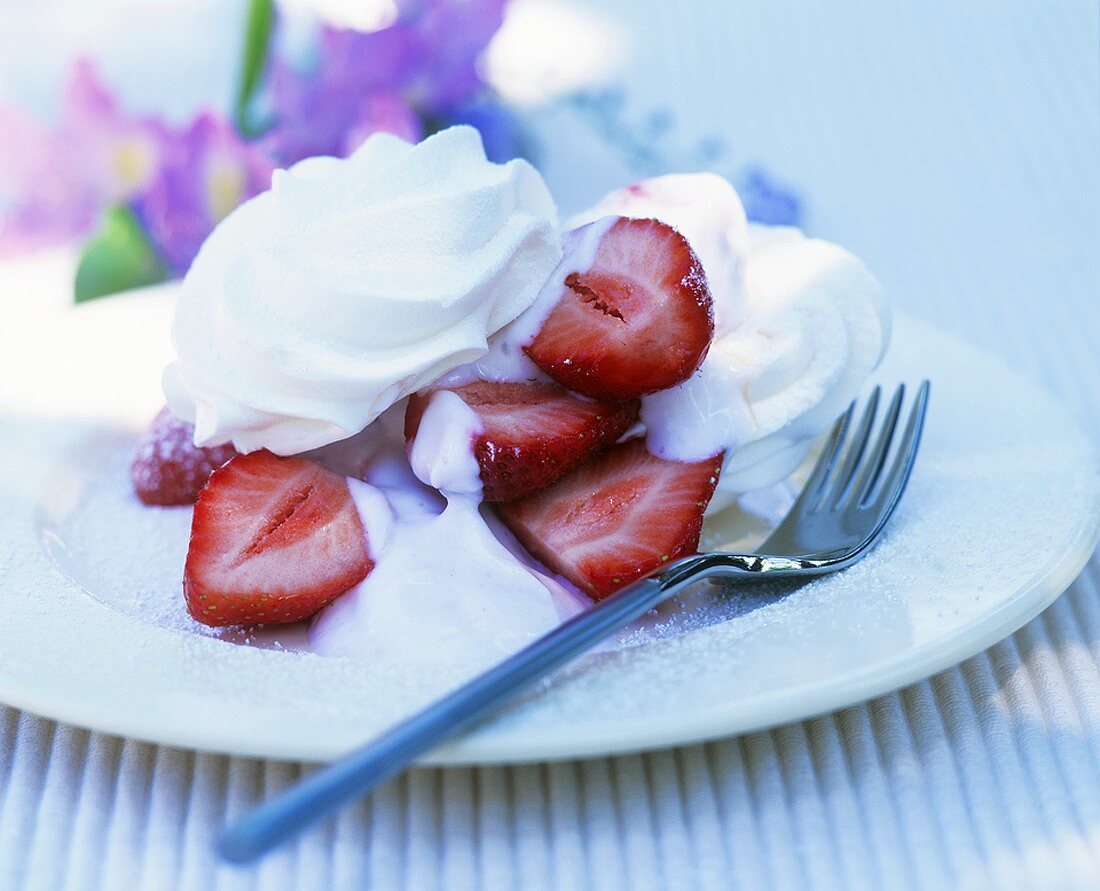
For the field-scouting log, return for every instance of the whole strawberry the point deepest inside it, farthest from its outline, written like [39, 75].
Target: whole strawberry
[168, 468]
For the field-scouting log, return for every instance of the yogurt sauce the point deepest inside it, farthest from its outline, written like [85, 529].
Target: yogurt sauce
[445, 589]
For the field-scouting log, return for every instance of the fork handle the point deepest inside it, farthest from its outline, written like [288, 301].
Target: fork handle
[364, 769]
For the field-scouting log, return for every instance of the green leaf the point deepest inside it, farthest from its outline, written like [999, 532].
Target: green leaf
[117, 257]
[257, 43]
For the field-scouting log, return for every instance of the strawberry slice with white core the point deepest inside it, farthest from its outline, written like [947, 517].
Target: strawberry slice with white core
[532, 434]
[621, 516]
[273, 540]
[637, 319]
[168, 468]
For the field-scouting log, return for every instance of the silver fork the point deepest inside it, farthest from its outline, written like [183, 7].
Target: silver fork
[851, 493]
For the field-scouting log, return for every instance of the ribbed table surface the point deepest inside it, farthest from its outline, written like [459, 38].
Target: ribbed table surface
[954, 146]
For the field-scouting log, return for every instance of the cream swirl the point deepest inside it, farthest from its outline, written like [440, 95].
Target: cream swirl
[817, 327]
[352, 283]
[803, 324]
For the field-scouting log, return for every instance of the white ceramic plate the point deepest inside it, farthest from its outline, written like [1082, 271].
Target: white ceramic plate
[1000, 516]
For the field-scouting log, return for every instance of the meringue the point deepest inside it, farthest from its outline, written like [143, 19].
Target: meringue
[352, 283]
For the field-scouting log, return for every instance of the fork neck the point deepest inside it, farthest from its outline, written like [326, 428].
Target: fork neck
[720, 564]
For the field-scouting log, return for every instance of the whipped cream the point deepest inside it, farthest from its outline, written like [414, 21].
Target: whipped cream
[352, 283]
[706, 210]
[817, 328]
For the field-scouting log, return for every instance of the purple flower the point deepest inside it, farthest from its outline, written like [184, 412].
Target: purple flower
[381, 111]
[767, 202]
[116, 154]
[409, 78]
[329, 113]
[499, 130]
[206, 171]
[424, 65]
[54, 183]
[449, 36]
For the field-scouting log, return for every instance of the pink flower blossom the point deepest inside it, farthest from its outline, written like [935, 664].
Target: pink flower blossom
[53, 183]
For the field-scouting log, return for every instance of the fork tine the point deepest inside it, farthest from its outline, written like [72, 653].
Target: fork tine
[872, 467]
[894, 483]
[869, 485]
[843, 477]
[815, 485]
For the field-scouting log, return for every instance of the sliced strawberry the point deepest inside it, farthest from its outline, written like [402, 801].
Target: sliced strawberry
[621, 516]
[168, 468]
[532, 433]
[639, 320]
[273, 540]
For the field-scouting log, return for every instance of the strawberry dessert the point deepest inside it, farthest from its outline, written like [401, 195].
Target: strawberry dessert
[413, 409]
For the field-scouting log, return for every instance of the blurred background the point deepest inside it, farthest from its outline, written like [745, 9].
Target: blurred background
[954, 146]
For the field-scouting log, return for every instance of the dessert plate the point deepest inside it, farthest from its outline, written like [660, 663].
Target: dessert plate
[1000, 516]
